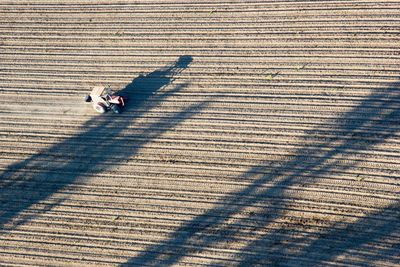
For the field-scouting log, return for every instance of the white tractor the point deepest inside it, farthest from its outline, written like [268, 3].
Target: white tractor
[103, 100]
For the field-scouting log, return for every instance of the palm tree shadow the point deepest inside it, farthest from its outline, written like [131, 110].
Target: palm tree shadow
[381, 226]
[26, 185]
[370, 123]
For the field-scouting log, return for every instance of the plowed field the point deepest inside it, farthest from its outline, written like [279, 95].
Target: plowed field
[257, 133]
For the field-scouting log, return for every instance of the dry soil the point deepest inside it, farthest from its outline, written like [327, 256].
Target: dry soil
[258, 133]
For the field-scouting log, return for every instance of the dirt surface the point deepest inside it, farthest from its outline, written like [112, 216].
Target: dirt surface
[258, 133]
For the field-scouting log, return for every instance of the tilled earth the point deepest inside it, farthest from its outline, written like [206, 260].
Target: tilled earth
[258, 133]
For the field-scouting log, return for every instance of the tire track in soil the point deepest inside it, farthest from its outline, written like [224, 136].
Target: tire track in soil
[278, 146]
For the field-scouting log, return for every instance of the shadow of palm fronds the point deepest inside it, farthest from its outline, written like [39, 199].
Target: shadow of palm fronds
[372, 122]
[27, 185]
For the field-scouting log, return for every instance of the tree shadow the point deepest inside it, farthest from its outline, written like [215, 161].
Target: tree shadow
[96, 149]
[372, 122]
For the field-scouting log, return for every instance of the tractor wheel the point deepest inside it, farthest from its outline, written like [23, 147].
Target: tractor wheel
[116, 109]
[100, 108]
[88, 98]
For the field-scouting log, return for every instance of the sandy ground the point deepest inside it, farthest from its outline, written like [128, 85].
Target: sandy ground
[258, 133]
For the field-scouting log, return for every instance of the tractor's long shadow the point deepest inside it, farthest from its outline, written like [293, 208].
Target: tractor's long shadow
[373, 121]
[26, 184]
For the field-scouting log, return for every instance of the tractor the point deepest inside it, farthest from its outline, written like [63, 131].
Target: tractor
[103, 99]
